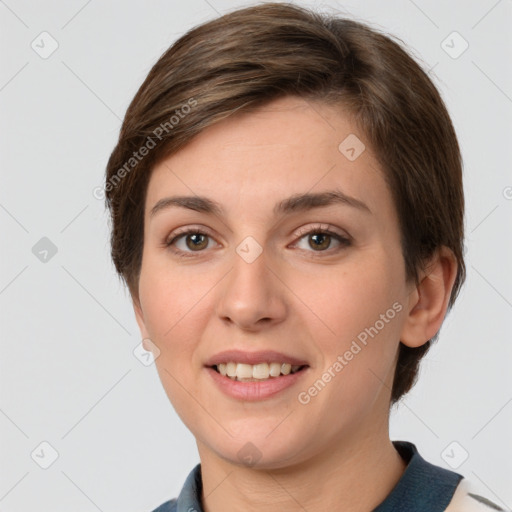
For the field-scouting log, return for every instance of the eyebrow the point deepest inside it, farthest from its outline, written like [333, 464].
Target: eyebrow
[292, 204]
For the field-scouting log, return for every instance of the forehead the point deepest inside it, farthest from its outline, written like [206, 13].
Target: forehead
[257, 158]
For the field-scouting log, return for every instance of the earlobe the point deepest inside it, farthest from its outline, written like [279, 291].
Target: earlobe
[429, 300]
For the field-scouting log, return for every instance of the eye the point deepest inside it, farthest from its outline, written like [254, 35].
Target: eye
[320, 239]
[189, 240]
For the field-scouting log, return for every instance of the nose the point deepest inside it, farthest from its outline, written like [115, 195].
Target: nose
[252, 296]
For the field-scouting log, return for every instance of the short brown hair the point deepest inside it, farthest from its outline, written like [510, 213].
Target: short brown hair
[253, 55]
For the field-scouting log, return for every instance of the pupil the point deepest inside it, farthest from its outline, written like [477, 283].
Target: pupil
[197, 240]
[323, 238]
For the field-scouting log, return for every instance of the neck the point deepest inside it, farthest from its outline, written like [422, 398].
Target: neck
[356, 474]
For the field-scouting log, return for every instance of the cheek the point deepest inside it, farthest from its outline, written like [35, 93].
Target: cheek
[345, 300]
[173, 313]
[169, 298]
[356, 325]
[176, 309]
[177, 305]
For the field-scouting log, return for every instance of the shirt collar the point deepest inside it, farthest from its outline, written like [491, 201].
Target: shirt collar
[423, 487]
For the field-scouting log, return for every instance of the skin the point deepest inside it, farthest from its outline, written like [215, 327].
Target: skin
[294, 298]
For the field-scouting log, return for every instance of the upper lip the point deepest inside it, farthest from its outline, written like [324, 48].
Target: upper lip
[262, 356]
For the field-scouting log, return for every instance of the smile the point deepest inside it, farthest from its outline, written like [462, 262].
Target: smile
[254, 376]
[255, 372]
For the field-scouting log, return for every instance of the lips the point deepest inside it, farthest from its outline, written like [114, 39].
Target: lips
[260, 385]
[254, 358]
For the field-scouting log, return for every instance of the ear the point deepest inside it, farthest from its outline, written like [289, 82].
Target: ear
[139, 316]
[428, 301]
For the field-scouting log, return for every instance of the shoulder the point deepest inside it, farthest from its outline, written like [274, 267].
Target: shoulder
[168, 506]
[467, 499]
[190, 496]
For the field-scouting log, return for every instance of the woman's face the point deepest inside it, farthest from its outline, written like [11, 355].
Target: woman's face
[254, 277]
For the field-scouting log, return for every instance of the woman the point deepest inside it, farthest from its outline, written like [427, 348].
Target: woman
[287, 212]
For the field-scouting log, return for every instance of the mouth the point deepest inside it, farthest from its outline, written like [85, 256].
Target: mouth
[260, 372]
[254, 376]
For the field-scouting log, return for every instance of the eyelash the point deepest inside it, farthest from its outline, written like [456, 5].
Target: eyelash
[317, 230]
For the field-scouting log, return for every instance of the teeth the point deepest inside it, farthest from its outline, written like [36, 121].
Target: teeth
[231, 369]
[260, 371]
[244, 371]
[275, 369]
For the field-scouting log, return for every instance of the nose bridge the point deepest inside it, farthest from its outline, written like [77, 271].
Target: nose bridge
[251, 292]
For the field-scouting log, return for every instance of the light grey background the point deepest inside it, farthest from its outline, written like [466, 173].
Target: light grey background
[68, 373]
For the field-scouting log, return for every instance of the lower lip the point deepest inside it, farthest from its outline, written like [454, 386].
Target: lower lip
[253, 390]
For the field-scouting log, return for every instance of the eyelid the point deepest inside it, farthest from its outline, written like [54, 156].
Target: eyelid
[186, 230]
[320, 227]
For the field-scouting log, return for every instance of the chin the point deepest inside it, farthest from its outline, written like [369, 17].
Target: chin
[262, 451]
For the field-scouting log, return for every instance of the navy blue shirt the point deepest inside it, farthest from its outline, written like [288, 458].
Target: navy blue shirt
[423, 487]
